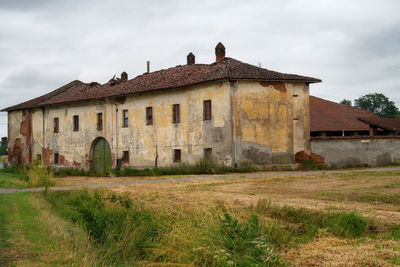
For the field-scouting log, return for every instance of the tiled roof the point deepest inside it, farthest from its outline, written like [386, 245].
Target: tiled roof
[389, 124]
[330, 116]
[179, 76]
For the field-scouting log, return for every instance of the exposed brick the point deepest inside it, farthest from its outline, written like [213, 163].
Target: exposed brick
[306, 154]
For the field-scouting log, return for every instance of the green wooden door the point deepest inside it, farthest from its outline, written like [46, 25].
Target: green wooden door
[101, 156]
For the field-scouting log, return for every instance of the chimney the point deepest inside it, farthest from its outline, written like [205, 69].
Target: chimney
[124, 76]
[219, 52]
[148, 66]
[191, 59]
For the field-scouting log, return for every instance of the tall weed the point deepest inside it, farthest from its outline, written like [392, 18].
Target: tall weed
[40, 176]
[306, 223]
[129, 232]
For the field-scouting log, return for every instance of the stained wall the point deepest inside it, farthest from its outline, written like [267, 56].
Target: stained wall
[258, 122]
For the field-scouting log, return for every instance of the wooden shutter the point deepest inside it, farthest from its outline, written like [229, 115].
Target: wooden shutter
[207, 110]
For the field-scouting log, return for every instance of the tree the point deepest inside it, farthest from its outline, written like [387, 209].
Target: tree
[378, 104]
[346, 102]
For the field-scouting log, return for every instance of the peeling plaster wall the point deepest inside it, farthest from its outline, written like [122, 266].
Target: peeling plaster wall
[301, 116]
[18, 137]
[270, 125]
[192, 135]
[144, 142]
[263, 125]
[72, 146]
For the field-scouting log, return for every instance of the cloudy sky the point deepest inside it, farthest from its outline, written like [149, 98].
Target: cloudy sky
[352, 45]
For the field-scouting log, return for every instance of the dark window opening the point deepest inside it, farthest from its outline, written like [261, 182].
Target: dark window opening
[56, 125]
[125, 119]
[56, 158]
[39, 159]
[125, 157]
[295, 95]
[207, 110]
[176, 116]
[76, 123]
[99, 121]
[177, 155]
[149, 116]
[208, 153]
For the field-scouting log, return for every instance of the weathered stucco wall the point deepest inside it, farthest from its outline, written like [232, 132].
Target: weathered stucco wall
[19, 137]
[257, 122]
[144, 142]
[192, 135]
[270, 125]
[355, 152]
[74, 147]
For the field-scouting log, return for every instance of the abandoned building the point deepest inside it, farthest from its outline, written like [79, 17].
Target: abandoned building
[328, 118]
[228, 110]
[347, 136]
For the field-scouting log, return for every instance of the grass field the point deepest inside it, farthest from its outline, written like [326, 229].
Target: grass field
[347, 219]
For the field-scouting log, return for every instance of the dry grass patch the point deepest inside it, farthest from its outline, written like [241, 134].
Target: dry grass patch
[332, 251]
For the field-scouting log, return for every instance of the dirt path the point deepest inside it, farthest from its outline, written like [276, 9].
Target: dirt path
[135, 180]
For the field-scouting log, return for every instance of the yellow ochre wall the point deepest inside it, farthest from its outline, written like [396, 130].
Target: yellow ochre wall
[272, 121]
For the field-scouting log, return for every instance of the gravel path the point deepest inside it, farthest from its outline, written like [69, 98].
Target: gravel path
[199, 177]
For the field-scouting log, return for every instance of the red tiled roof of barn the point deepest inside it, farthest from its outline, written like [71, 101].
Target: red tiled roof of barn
[179, 76]
[389, 124]
[330, 116]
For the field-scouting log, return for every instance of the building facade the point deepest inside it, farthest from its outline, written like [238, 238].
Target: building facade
[228, 110]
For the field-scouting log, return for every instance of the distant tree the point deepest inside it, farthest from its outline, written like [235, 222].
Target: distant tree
[3, 146]
[378, 104]
[346, 102]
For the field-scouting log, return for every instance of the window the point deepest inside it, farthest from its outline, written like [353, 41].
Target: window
[207, 110]
[56, 125]
[176, 116]
[39, 159]
[99, 121]
[56, 158]
[76, 123]
[125, 120]
[177, 155]
[125, 156]
[208, 153]
[149, 116]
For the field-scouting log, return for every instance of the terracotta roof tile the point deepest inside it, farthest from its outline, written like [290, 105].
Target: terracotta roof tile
[330, 116]
[389, 124]
[179, 76]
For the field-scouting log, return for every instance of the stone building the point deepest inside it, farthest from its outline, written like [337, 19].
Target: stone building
[228, 110]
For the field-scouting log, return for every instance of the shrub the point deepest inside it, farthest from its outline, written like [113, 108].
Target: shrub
[40, 176]
[346, 224]
[247, 242]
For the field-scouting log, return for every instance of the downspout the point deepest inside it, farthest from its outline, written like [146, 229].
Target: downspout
[116, 132]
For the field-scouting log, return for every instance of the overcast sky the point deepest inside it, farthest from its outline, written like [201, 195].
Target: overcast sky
[352, 45]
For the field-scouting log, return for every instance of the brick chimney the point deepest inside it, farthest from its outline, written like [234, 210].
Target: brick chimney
[191, 59]
[124, 76]
[219, 52]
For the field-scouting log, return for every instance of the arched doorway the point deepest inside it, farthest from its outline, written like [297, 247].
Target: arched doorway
[101, 155]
